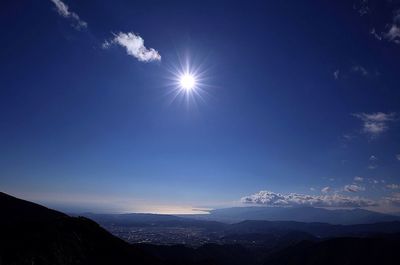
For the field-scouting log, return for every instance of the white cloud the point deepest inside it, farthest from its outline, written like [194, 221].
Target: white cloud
[359, 179]
[326, 189]
[375, 123]
[63, 10]
[353, 188]
[393, 186]
[393, 34]
[373, 158]
[293, 199]
[134, 45]
[312, 189]
[398, 157]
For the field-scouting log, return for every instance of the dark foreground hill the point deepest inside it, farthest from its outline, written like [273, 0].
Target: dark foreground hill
[365, 251]
[33, 234]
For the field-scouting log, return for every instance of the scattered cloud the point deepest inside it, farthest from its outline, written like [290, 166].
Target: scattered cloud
[374, 181]
[354, 70]
[293, 199]
[336, 74]
[63, 11]
[393, 186]
[326, 189]
[392, 30]
[393, 34]
[373, 159]
[353, 188]
[312, 189]
[362, 7]
[348, 137]
[134, 45]
[398, 157]
[375, 124]
[394, 199]
[359, 69]
[358, 179]
[375, 34]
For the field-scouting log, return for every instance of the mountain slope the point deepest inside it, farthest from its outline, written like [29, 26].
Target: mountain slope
[33, 234]
[16, 210]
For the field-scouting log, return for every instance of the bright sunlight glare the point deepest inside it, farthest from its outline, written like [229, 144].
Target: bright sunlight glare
[187, 81]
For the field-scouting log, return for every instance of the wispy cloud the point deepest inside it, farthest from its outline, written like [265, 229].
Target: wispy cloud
[336, 74]
[398, 157]
[326, 189]
[374, 181]
[270, 198]
[373, 160]
[376, 34]
[375, 124]
[361, 7]
[394, 199]
[134, 46]
[63, 11]
[393, 186]
[358, 179]
[360, 70]
[392, 30]
[353, 188]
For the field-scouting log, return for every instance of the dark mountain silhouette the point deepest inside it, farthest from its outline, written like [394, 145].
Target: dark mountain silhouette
[339, 251]
[208, 254]
[33, 234]
[299, 214]
[17, 210]
[320, 230]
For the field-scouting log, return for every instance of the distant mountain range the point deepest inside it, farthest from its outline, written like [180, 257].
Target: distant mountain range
[315, 229]
[298, 214]
[239, 214]
[33, 234]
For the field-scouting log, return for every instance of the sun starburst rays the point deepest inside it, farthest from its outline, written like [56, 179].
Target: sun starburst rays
[187, 82]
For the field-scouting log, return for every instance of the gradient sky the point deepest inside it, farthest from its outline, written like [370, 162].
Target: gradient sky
[296, 97]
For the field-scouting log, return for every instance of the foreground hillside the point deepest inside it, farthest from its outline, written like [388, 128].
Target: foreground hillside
[32, 234]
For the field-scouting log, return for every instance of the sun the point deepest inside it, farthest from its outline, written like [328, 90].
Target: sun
[187, 81]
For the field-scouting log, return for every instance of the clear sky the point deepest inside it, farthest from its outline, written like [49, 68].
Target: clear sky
[295, 103]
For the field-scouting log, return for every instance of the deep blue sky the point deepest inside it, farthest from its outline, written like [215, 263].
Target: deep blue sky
[298, 96]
